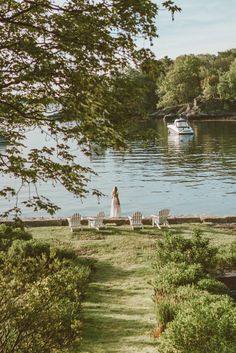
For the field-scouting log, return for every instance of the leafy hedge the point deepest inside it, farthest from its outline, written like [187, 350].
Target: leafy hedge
[173, 275]
[9, 234]
[227, 256]
[41, 293]
[204, 324]
[175, 248]
[194, 313]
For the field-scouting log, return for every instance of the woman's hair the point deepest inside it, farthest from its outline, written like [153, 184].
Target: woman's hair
[115, 191]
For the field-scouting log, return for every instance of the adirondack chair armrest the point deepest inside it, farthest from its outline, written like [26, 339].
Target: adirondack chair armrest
[91, 218]
[131, 220]
[155, 216]
[91, 221]
[69, 221]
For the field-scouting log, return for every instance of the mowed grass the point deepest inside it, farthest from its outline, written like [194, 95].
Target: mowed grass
[118, 310]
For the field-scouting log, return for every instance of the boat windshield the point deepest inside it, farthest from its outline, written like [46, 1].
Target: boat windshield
[181, 124]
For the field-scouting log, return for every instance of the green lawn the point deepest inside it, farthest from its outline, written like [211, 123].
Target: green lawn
[118, 310]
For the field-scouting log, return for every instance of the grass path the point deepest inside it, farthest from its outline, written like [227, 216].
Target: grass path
[119, 313]
[118, 317]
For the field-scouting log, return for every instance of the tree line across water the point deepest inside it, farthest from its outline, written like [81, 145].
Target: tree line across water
[209, 80]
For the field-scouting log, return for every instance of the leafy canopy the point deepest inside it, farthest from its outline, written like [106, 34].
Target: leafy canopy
[56, 62]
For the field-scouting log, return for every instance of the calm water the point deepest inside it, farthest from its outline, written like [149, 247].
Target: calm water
[190, 175]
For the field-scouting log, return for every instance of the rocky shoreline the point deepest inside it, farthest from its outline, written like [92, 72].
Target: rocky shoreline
[196, 116]
[200, 109]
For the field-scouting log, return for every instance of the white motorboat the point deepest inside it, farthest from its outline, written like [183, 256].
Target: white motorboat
[180, 142]
[180, 127]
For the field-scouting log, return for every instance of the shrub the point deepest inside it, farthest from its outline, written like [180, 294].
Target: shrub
[35, 248]
[8, 234]
[165, 311]
[212, 286]
[227, 257]
[43, 316]
[31, 248]
[204, 324]
[33, 259]
[167, 306]
[187, 292]
[41, 292]
[173, 275]
[186, 299]
[65, 253]
[175, 248]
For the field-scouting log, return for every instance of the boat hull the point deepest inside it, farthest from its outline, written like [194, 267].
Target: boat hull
[181, 131]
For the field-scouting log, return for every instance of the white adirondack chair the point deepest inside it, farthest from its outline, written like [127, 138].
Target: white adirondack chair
[161, 219]
[136, 220]
[97, 222]
[75, 222]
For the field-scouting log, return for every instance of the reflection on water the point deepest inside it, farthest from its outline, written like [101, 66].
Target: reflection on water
[180, 142]
[188, 174]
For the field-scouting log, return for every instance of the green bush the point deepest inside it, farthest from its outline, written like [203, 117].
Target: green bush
[33, 259]
[43, 316]
[204, 324]
[35, 248]
[227, 257]
[41, 292]
[65, 253]
[187, 292]
[165, 311]
[167, 306]
[31, 248]
[212, 286]
[175, 248]
[173, 275]
[192, 308]
[8, 234]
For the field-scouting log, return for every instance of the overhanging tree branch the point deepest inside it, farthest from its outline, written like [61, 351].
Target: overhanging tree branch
[65, 56]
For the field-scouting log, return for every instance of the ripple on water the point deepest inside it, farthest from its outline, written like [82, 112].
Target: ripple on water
[190, 176]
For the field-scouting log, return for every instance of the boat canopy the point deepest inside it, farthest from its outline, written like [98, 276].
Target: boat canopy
[181, 123]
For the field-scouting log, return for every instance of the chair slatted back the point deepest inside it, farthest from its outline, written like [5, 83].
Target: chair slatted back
[137, 218]
[163, 215]
[75, 221]
[99, 219]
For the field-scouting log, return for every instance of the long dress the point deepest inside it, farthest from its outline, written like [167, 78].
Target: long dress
[115, 207]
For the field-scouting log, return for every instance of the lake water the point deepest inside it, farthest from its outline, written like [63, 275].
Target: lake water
[191, 175]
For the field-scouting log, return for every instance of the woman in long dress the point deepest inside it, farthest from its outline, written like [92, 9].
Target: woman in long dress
[115, 203]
